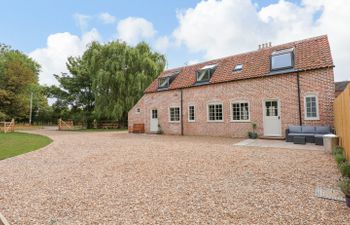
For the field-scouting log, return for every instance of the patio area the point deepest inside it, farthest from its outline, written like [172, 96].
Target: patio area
[263, 143]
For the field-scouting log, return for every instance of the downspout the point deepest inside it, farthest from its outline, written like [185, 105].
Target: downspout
[181, 109]
[299, 100]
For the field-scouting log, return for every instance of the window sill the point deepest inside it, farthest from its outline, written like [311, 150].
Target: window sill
[176, 122]
[191, 121]
[311, 119]
[215, 121]
[240, 121]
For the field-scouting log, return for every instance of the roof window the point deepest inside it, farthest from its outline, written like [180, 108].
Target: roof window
[205, 73]
[165, 81]
[283, 59]
[238, 67]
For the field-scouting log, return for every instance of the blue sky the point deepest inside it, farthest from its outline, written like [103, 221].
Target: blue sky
[186, 31]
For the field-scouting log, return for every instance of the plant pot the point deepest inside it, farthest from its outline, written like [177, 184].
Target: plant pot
[253, 135]
[347, 199]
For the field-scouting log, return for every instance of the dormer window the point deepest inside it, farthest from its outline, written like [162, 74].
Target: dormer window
[204, 74]
[238, 67]
[164, 82]
[283, 59]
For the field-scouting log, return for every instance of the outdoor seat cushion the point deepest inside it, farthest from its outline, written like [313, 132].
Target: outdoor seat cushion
[301, 134]
[319, 135]
[323, 129]
[308, 129]
[294, 129]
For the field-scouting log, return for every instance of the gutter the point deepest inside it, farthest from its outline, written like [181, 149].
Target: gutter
[181, 109]
[299, 100]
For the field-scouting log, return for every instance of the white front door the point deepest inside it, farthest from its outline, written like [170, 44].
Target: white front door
[154, 120]
[272, 118]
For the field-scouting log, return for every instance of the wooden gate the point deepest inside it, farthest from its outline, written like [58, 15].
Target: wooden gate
[342, 119]
[65, 125]
[8, 126]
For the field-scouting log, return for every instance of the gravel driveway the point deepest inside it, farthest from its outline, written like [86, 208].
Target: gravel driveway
[120, 178]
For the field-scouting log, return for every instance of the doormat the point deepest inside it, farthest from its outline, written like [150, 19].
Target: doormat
[330, 194]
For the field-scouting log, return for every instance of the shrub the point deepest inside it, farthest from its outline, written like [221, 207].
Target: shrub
[344, 184]
[338, 150]
[344, 169]
[339, 158]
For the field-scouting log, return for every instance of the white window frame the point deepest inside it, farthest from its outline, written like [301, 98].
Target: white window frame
[231, 111]
[169, 114]
[208, 117]
[194, 111]
[317, 108]
[138, 110]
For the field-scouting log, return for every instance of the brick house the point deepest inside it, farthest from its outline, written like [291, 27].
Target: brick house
[274, 87]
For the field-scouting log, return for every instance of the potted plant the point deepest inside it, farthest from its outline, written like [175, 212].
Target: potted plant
[159, 129]
[253, 134]
[344, 184]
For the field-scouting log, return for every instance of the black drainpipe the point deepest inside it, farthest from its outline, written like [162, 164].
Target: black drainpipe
[181, 109]
[299, 100]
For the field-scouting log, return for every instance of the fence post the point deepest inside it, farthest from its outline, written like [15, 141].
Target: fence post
[59, 123]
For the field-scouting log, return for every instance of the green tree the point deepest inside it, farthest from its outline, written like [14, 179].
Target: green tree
[18, 78]
[107, 80]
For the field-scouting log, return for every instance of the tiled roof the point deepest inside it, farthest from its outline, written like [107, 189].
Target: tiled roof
[312, 53]
[341, 85]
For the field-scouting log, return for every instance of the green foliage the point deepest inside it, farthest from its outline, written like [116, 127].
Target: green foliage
[339, 158]
[107, 80]
[18, 78]
[344, 169]
[344, 184]
[338, 150]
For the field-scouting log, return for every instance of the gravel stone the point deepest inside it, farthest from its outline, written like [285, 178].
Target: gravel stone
[121, 178]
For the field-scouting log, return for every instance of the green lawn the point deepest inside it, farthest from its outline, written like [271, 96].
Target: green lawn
[12, 144]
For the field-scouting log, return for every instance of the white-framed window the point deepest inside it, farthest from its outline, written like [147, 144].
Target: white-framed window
[174, 114]
[311, 107]
[138, 110]
[191, 113]
[240, 111]
[215, 112]
[204, 74]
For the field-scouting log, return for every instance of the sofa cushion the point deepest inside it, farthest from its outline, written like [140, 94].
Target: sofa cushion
[308, 129]
[294, 129]
[301, 134]
[323, 129]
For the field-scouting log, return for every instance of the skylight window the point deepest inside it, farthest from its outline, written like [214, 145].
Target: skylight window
[205, 73]
[283, 59]
[238, 67]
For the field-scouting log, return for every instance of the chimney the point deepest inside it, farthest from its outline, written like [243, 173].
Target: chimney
[265, 45]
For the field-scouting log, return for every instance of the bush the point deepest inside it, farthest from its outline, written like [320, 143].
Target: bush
[338, 150]
[344, 184]
[339, 158]
[344, 169]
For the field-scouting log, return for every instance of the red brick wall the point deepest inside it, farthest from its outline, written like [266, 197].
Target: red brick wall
[282, 87]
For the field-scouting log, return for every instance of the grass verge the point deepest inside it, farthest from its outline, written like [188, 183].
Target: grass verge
[12, 144]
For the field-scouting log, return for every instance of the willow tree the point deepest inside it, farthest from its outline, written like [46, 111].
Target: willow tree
[108, 79]
[124, 74]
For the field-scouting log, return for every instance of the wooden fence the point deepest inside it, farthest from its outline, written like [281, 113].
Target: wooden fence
[342, 119]
[7, 126]
[65, 125]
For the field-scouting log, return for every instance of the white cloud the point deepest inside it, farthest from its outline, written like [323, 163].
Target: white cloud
[162, 44]
[82, 20]
[107, 18]
[219, 28]
[133, 30]
[59, 47]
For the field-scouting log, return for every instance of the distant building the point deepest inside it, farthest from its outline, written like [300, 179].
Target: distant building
[340, 87]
